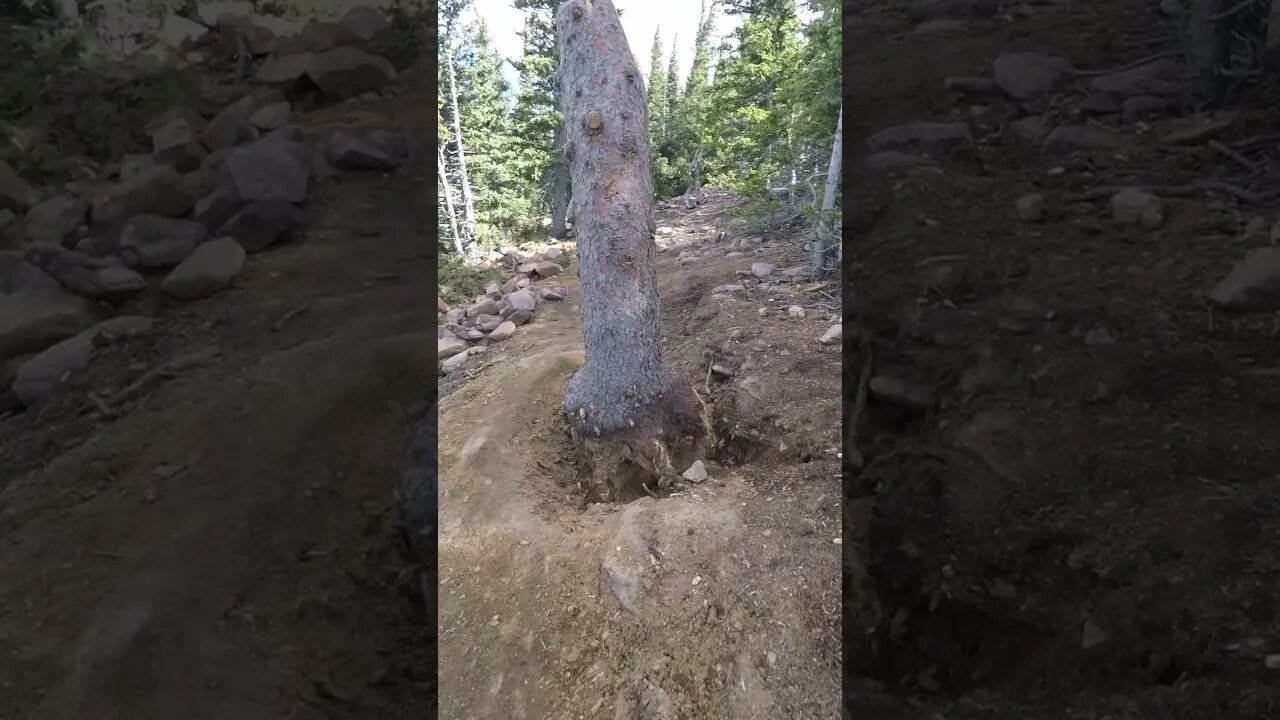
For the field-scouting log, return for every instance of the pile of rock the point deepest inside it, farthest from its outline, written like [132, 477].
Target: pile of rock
[180, 220]
[467, 330]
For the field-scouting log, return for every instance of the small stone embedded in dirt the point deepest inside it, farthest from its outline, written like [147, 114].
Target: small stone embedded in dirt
[15, 193]
[795, 311]
[453, 364]
[727, 289]
[762, 270]
[56, 219]
[1030, 207]
[832, 336]
[504, 330]
[1027, 74]
[1253, 284]
[1132, 206]
[547, 269]
[697, 580]
[697, 472]
[211, 268]
[1272, 662]
[926, 135]
[1070, 138]
[151, 241]
[260, 225]
[349, 152]
[1092, 636]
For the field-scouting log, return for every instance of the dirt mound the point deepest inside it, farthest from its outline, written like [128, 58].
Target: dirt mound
[717, 601]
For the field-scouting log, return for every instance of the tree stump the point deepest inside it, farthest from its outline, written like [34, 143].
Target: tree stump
[635, 418]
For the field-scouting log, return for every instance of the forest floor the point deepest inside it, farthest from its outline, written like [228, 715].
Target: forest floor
[720, 600]
[225, 546]
[1069, 505]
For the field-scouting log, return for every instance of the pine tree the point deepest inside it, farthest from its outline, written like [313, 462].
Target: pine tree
[657, 91]
[673, 88]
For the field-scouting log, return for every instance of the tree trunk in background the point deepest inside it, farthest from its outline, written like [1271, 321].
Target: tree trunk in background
[634, 416]
[468, 202]
[559, 189]
[1271, 47]
[458, 245]
[826, 228]
[1208, 49]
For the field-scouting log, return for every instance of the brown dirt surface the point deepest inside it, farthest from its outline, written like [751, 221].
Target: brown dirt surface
[1081, 522]
[720, 600]
[223, 546]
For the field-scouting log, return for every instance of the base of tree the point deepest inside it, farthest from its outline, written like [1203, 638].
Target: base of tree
[629, 458]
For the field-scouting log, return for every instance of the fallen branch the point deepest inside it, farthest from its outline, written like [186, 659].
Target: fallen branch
[1240, 159]
[855, 414]
[1243, 194]
[1129, 66]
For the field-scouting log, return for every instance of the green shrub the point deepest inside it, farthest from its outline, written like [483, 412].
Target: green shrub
[460, 282]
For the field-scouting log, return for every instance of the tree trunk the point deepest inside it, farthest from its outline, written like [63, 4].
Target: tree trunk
[448, 202]
[826, 228]
[468, 201]
[635, 417]
[1208, 49]
[559, 189]
[1271, 46]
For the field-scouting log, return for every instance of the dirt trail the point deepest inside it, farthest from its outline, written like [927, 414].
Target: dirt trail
[1072, 512]
[225, 548]
[719, 601]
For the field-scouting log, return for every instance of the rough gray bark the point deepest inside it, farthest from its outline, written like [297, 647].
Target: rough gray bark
[826, 229]
[559, 190]
[468, 201]
[636, 417]
[448, 201]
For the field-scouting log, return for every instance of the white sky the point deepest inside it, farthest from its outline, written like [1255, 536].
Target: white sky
[639, 20]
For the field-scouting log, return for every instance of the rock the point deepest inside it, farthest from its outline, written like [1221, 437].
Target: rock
[283, 68]
[1159, 77]
[727, 289]
[697, 472]
[1100, 104]
[261, 224]
[465, 333]
[416, 493]
[522, 283]
[927, 135]
[41, 374]
[520, 317]
[176, 31]
[971, 85]
[526, 267]
[898, 392]
[1032, 129]
[832, 336]
[209, 269]
[215, 209]
[487, 306]
[941, 26]
[762, 270]
[493, 291]
[176, 142]
[447, 347]
[1271, 662]
[547, 269]
[795, 311]
[229, 127]
[17, 275]
[1253, 284]
[1030, 208]
[892, 162]
[364, 24]
[523, 300]
[151, 241]
[1069, 138]
[346, 72]
[270, 170]
[488, 323]
[55, 220]
[90, 277]
[1092, 636]
[454, 364]
[553, 294]
[504, 330]
[1132, 206]
[1143, 105]
[15, 193]
[1025, 75]
[351, 153]
[271, 117]
[157, 190]
[32, 320]
[553, 253]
